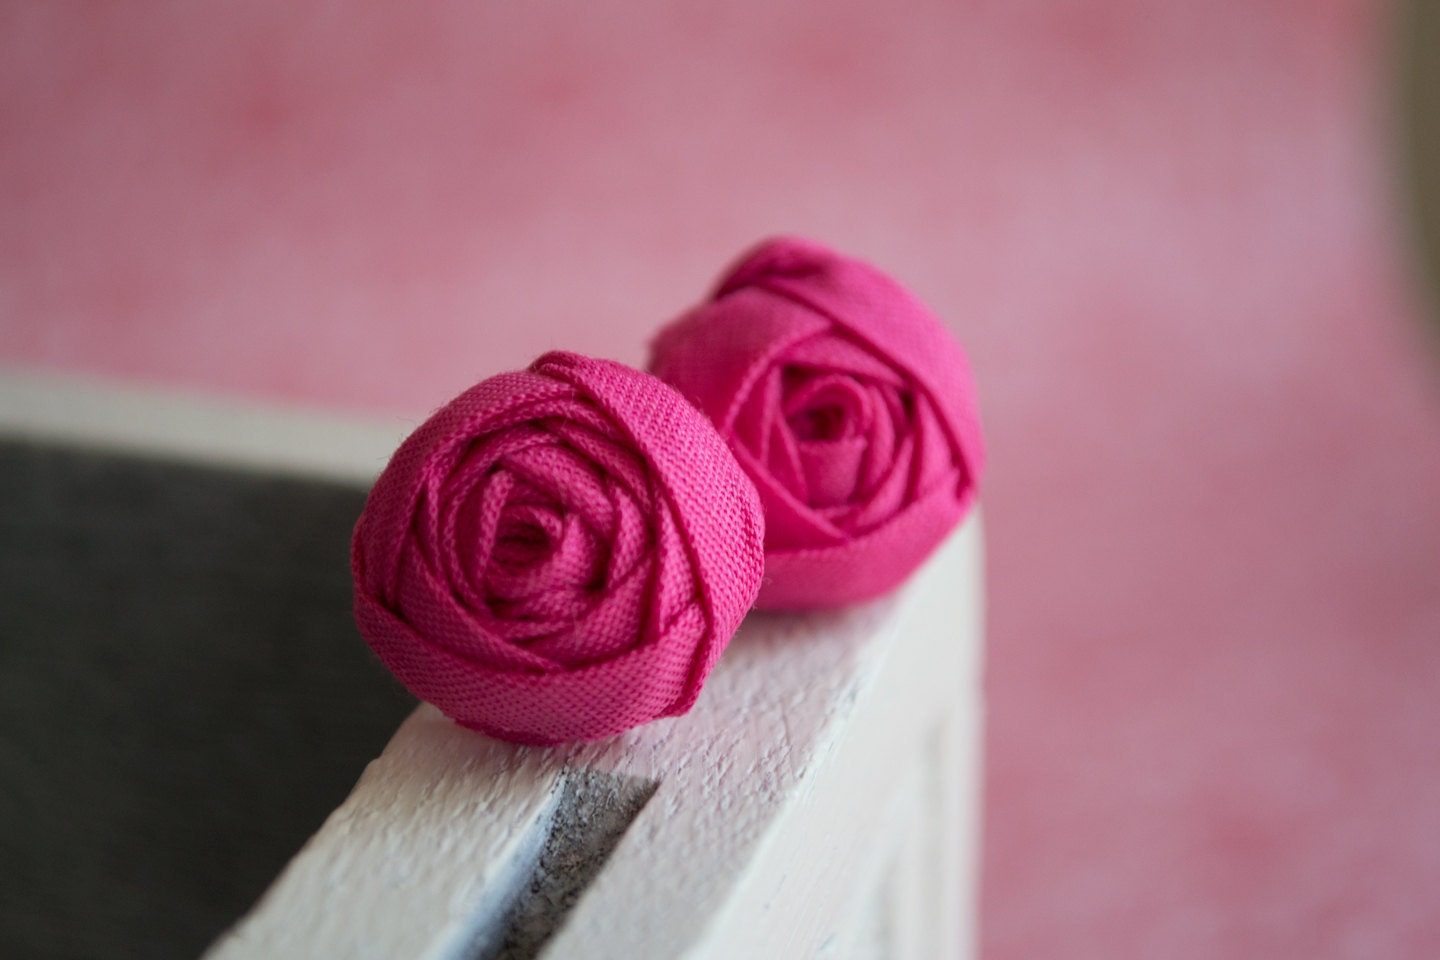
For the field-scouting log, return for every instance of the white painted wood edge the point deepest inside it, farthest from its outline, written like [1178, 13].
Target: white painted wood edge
[177, 424]
[805, 731]
[401, 869]
[908, 741]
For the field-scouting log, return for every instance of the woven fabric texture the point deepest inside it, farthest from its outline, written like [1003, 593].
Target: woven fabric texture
[850, 406]
[558, 554]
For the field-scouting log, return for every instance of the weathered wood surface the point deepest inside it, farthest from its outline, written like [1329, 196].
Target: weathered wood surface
[820, 800]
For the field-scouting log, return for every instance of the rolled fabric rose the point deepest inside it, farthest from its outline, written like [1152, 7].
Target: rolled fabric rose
[558, 554]
[847, 402]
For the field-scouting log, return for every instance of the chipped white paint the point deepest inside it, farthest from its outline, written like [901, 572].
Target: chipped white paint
[819, 801]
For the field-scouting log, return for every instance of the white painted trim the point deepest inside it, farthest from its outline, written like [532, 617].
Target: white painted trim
[830, 767]
[172, 423]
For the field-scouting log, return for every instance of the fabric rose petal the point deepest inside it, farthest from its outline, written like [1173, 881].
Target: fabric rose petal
[850, 406]
[558, 554]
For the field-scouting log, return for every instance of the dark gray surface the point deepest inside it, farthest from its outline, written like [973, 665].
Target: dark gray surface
[595, 810]
[183, 696]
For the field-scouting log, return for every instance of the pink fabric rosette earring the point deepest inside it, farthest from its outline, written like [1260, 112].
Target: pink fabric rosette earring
[848, 404]
[558, 554]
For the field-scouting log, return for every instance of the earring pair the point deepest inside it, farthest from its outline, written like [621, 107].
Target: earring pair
[562, 553]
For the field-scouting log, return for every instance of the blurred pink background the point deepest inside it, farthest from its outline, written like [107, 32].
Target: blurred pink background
[1165, 231]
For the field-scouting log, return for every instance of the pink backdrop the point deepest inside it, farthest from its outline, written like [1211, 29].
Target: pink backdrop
[1163, 230]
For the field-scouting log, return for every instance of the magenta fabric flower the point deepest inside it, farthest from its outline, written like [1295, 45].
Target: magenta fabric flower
[850, 406]
[558, 554]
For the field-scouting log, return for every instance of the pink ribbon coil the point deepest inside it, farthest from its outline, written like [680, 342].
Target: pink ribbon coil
[849, 405]
[558, 554]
